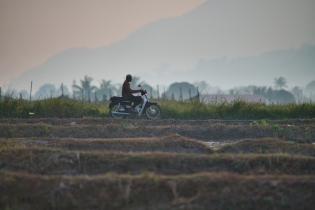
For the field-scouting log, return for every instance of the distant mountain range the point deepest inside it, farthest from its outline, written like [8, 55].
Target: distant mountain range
[192, 48]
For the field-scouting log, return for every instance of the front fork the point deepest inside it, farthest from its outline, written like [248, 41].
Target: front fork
[144, 105]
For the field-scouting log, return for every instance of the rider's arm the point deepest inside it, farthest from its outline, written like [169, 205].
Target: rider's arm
[135, 91]
[128, 89]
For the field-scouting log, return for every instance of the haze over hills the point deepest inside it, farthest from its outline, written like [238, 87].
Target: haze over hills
[296, 65]
[225, 44]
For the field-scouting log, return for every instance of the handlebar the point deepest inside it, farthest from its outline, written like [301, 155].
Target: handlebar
[142, 91]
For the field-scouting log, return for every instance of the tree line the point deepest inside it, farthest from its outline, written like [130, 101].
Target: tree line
[84, 90]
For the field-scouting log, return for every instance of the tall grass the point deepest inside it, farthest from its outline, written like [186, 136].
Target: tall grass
[53, 107]
[68, 108]
[237, 110]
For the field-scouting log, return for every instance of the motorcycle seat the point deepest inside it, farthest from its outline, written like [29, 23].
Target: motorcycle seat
[116, 98]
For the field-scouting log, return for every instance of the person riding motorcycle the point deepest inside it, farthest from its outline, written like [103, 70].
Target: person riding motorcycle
[129, 104]
[127, 92]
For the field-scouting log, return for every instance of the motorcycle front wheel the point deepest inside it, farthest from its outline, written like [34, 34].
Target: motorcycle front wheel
[153, 112]
[117, 108]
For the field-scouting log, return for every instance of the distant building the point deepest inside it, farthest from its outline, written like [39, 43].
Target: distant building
[217, 98]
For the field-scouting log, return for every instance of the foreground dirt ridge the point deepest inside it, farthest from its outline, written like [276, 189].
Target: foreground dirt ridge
[103, 121]
[150, 191]
[126, 129]
[171, 143]
[53, 161]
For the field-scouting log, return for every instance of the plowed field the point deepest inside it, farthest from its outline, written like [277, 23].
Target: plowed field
[92, 163]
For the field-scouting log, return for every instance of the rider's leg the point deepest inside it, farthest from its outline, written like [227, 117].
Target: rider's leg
[135, 99]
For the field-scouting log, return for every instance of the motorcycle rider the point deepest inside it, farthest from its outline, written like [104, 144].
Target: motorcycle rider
[127, 92]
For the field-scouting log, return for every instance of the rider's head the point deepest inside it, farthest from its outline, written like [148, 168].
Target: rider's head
[128, 77]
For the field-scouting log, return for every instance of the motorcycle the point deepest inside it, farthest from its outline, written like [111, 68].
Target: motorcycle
[119, 108]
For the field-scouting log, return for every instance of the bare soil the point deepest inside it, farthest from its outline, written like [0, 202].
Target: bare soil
[268, 146]
[144, 122]
[171, 143]
[143, 164]
[150, 191]
[51, 161]
[201, 130]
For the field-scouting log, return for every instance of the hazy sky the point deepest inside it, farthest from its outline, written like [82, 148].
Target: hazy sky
[31, 31]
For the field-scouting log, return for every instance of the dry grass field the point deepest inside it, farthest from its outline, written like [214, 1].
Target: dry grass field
[94, 163]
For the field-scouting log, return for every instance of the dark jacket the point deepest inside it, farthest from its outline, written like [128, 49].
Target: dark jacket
[126, 91]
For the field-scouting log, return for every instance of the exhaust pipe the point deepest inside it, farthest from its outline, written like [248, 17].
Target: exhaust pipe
[121, 113]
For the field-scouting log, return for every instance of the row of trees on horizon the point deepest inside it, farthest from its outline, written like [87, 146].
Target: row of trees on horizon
[84, 90]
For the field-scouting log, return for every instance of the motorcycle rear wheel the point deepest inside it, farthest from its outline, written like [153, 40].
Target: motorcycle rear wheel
[153, 112]
[115, 108]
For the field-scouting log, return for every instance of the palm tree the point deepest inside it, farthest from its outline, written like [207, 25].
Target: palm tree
[259, 90]
[85, 88]
[106, 88]
[280, 83]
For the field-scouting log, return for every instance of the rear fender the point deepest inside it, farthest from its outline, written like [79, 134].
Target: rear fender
[151, 103]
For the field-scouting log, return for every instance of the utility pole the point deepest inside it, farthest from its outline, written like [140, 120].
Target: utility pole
[95, 96]
[31, 91]
[180, 93]
[62, 89]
